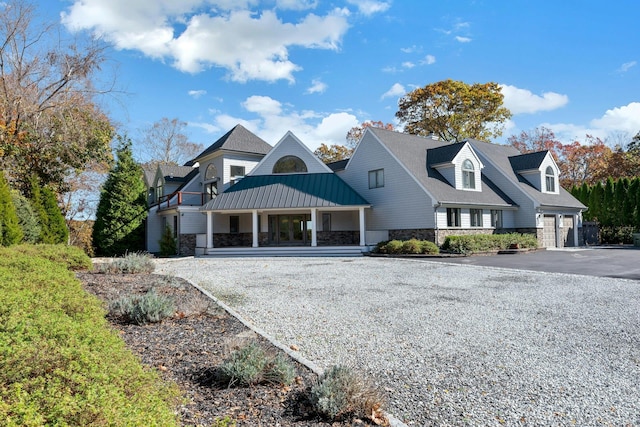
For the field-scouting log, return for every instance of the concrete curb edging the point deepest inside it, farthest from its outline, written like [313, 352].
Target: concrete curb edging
[393, 421]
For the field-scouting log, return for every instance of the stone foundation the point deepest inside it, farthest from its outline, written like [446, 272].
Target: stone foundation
[226, 240]
[187, 245]
[408, 234]
[338, 238]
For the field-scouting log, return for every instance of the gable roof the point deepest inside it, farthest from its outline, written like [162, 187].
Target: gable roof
[414, 153]
[238, 139]
[338, 165]
[528, 161]
[308, 190]
[290, 145]
[172, 172]
[501, 157]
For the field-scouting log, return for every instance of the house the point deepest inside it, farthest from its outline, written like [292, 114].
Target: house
[247, 194]
[176, 193]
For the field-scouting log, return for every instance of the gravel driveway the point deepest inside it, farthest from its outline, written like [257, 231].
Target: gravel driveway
[451, 344]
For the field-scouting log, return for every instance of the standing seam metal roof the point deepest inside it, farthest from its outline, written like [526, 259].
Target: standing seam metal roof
[306, 190]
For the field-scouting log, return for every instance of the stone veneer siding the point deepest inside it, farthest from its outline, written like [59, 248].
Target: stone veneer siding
[187, 245]
[338, 238]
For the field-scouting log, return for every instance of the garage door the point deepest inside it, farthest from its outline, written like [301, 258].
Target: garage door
[567, 231]
[549, 231]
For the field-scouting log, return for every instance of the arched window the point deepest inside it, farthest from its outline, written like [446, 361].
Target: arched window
[550, 180]
[468, 175]
[289, 164]
[211, 173]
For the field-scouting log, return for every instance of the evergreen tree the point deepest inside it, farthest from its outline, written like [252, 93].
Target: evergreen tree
[608, 205]
[10, 231]
[56, 230]
[596, 201]
[634, 192]
[624, 202]
[27, 217]
[122, 209]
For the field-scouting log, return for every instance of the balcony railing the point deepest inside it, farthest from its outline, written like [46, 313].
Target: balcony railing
[182, 198]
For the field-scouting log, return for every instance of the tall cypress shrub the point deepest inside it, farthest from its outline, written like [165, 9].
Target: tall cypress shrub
[122, 209]
[27, 218]
[10, 231]
[56, 230]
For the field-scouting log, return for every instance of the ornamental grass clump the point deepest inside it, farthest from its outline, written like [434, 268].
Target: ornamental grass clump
[340, 392]
[143, 309]
[251, 365]
[131, 263]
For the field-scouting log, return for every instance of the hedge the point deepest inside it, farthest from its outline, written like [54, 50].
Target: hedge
[488, 242]
[60, 363]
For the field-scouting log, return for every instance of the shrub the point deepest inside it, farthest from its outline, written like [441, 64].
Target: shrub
[27, 218]
[143, 309]
[488, 242]
[132, 263]
[250, 365]
[412, 246]
[62, 364]
[168, 243]
[71, 257]
[340, 391]
[10, 230]
[428, 247]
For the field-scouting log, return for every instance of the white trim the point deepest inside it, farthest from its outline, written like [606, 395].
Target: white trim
[314, 227]
[254, 228]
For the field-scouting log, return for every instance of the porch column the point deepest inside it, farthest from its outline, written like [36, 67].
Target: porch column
[209, 229]
[362, 227]
[576, 242]
[254, 222]
[314, 234]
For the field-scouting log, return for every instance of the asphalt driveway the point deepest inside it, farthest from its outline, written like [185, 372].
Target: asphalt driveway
[450, 344]
[621, 262]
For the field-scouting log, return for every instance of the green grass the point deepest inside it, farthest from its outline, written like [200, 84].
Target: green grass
[60, 363]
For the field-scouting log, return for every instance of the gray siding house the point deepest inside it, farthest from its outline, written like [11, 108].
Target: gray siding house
[244, 196]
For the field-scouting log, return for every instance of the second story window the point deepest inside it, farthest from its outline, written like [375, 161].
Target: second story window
[237, 173]
[289, 164]
[550, 180]
[376, 178]
[468, 175]
[159, 190]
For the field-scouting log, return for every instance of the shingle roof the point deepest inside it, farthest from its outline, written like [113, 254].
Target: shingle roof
[414, 153]
[338, 165]
[501, 156]
[238, 139]
[444, 154]
[309, 190]
[528, 161]
[172, 172]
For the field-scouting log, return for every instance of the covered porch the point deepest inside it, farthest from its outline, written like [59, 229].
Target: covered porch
[304, 212]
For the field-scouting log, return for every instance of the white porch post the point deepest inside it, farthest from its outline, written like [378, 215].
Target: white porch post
[314, 228]
[254, 222]
[576, 242]
[362, 227]
[209, 229]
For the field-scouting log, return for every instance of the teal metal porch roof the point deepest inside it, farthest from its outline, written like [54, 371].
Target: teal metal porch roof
[287, 191]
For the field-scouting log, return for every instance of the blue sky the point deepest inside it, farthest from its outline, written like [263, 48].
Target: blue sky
[318, 68]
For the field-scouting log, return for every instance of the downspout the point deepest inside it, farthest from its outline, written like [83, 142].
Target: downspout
[435, 219]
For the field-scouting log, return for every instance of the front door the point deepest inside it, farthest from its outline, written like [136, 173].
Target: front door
[289, 230]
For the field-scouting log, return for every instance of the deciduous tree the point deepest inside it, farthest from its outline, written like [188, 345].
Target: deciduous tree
[50, 122]
[454, 111]
[355, 133]
[166, 142]
[119, 225]
[333, 153]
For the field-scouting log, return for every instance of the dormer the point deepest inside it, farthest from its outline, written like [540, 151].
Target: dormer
[458, 164]
[538, 169]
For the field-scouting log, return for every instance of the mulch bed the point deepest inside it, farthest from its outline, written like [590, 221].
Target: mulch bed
[187, 348]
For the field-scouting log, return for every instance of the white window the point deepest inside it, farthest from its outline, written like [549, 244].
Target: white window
[468, 175]
[496, 218]
[290, 164]
[159, 190]
[476, 217]
[237, 173]
[453, 217]
[376, 178]
[550, 180]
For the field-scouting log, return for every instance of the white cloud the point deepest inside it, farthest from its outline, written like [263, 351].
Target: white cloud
[463, 39]
[411, 49]
[627, 66]
[520, 101]
[251, 46]
[429, 59]
[369, 7]
[274, 119]
[197, 93]
[317, 86]
[625, 118]
[396, 90]
[408, 64]
[296, 4]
